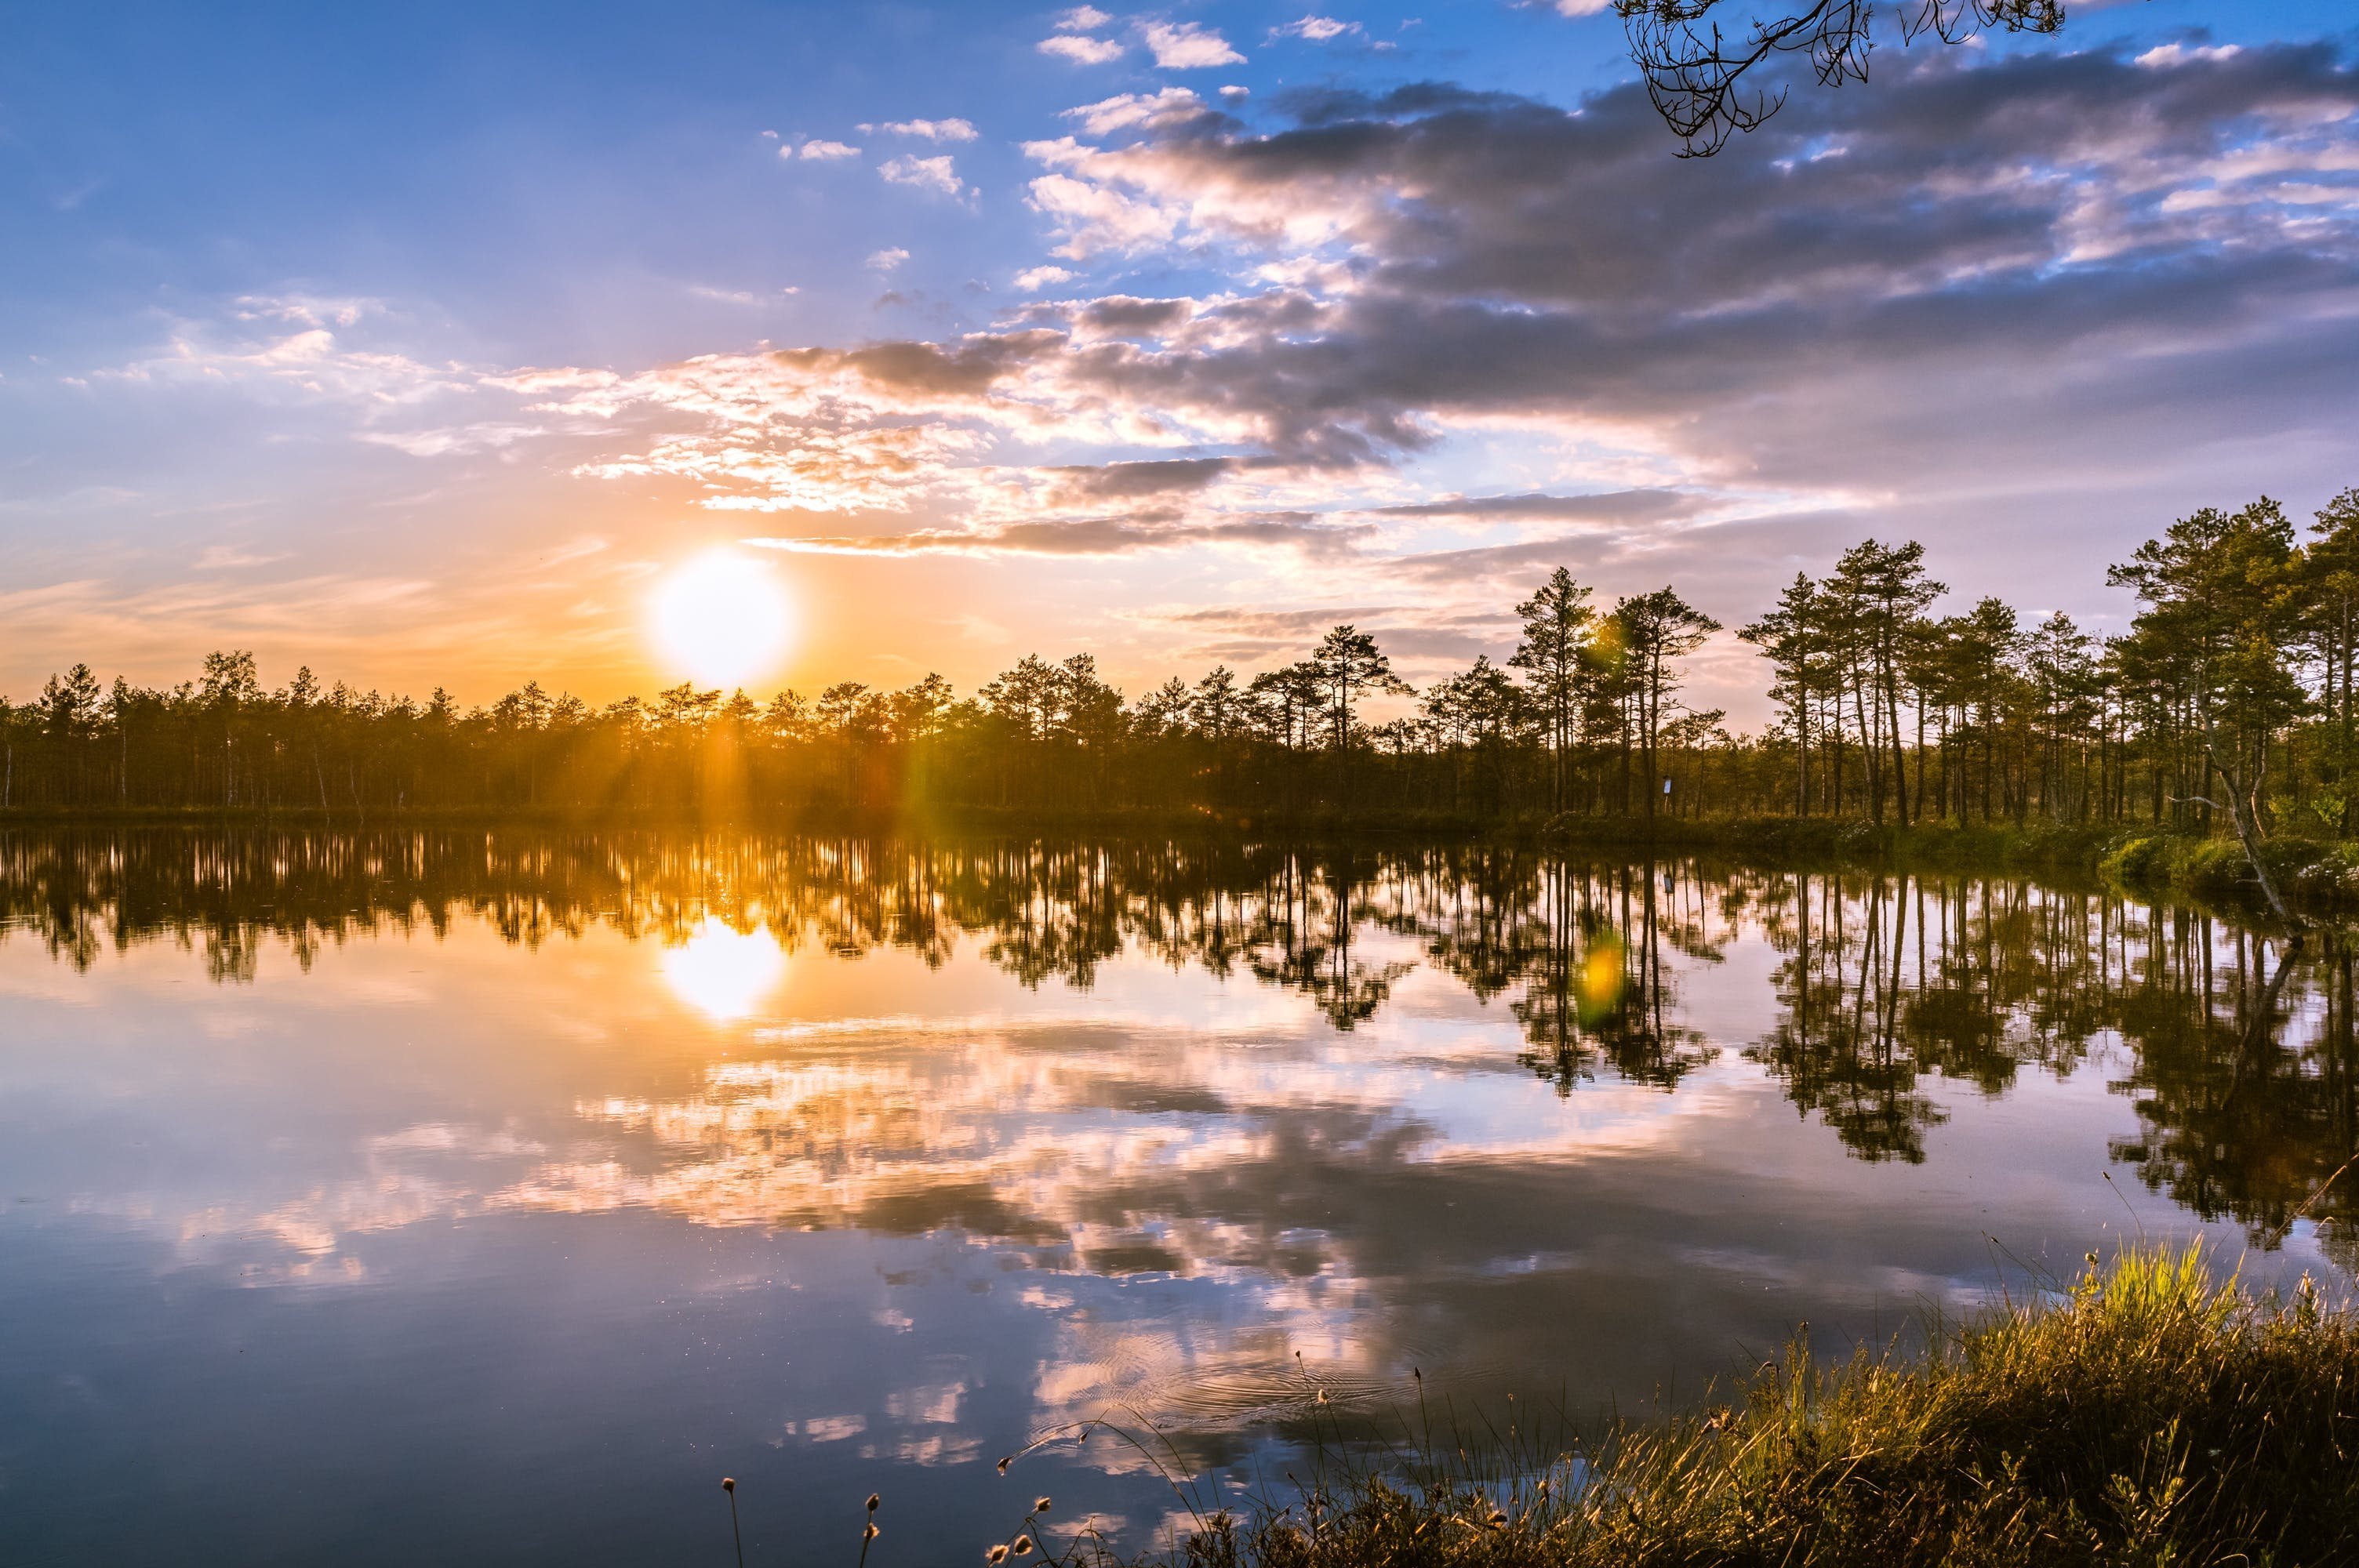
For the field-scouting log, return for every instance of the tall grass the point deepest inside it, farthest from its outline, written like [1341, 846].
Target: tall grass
[2146, 1414]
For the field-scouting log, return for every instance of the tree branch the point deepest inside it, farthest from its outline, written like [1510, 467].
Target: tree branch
[1695, 74]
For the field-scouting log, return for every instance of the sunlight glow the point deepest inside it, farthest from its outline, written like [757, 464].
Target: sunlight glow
[721, 618]
[724, 972]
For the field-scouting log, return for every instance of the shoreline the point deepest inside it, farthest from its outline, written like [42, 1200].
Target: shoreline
[2145, 1412]
[2318, 876]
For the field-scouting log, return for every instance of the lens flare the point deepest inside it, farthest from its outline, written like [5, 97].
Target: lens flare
[1602, 976]
[724, 972]
[721, 618]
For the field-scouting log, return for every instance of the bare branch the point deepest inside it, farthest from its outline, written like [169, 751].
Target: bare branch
[1695, 72]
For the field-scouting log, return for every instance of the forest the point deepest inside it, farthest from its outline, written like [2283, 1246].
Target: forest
[2226, 705]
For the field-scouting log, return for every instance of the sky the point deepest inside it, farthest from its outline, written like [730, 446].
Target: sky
[420, 344]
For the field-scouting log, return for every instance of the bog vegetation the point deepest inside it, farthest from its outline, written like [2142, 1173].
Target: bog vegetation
[2150, 1416]
[2226, 706]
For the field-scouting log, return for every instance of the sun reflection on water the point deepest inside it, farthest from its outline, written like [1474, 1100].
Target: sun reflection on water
[1258, 1151]
[722, 971]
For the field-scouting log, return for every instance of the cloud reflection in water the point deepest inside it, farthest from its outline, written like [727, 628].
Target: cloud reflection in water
[1036, 1132]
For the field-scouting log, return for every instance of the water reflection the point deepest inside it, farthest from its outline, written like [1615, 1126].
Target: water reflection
[875, 1153]
[1886, 987]
[724, 971]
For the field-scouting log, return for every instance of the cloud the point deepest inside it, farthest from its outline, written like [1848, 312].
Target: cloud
[929, 130]
[158, 624]
[305, 309]
[1082, 20]
[2023, 276]
[935, 174]
[1037, 277]
[1129, 480]
[1166, 110]
[487, 437]
[1130, 316]
[823, 151]
[1186, 45]
[1617, 507]
[2169, 55]
[229, 558]
[1110, 535]
[1093, 215]
[1314, 28]
[887, 259]
[1081, 50]
[1422, 638]
[2032, 200]
[323, 359]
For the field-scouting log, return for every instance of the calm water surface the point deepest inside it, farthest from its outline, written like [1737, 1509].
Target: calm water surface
[461, 1197]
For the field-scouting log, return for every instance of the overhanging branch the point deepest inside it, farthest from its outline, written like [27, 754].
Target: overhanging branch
[1695, 70]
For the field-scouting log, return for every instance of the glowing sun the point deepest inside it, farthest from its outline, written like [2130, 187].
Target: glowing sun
[721, 618]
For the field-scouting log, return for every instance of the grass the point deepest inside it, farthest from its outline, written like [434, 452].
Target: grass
[2311, 872]
[2147, 1415]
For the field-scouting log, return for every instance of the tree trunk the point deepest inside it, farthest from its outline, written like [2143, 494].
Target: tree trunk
[2240, 813]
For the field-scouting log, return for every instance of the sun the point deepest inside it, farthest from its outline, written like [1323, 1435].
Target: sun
[719, 618]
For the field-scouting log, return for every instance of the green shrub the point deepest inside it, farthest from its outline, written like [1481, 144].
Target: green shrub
[2131, 861]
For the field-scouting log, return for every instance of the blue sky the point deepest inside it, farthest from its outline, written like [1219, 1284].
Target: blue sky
[416, 342]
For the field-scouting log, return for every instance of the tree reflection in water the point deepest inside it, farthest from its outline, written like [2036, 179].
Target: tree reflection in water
[1889, 988]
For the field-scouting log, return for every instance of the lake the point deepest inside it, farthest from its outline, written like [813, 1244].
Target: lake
[466, 1196]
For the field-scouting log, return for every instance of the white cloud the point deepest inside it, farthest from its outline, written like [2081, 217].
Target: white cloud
[930, 130]
[487, 437]
[1155, 110]
[934, 174]
[1082, 20]
[824, 150]
[1581, 8]
[1188, 46]
[1081, 50]
[229, 558]
[1098, 213]
[888, 259]
[1235, 93]
[1035, 278]
[2169, 55]
[1314, 29]
[304, 309]
[1094, 214]
[312, 359]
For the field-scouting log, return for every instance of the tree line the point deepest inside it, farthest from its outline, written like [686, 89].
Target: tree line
[2226, 704]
